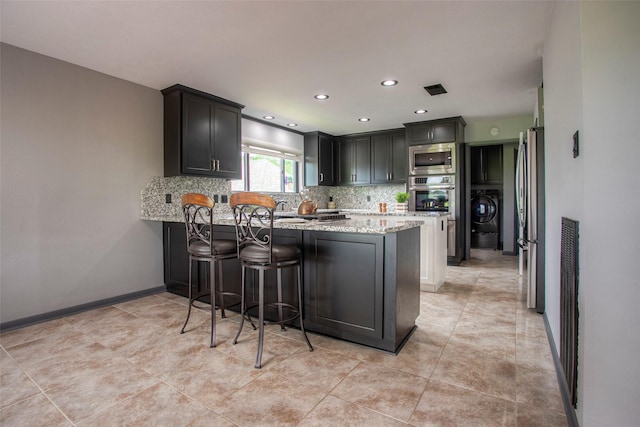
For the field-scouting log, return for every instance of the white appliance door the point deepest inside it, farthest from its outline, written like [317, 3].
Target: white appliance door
[532, 218]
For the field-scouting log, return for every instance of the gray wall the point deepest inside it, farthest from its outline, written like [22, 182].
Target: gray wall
[77, 147]
[591, 84]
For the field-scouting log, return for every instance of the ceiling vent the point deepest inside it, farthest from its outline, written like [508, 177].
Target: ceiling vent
[435, 89]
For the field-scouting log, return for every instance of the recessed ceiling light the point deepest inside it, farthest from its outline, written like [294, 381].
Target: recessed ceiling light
[268, 117]
[321, 96]
[292, 125]
[364, 119]
[389, 82]
[420, 111]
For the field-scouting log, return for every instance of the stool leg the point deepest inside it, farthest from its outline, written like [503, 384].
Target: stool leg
[280, 317]
[190, 300]
[260, 318]
[242, 306]
[300, 305]
[221, 282]
[212, 281]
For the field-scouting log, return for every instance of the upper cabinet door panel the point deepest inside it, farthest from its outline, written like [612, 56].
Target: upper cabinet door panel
[362, 159]
[196, 127]
[380, 158]
[319, 160]
[399, 158]
[345, 162]
[420, 135]
[325, 158]
[443, 132]
[226, 147]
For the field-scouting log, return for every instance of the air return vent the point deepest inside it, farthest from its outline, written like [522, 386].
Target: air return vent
[435, 89]
[569, 305]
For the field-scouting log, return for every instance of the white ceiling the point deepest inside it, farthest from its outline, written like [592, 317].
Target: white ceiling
[273, 56]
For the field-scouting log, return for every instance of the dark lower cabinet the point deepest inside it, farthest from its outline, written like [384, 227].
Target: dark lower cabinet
[363, 288]
[176, 260]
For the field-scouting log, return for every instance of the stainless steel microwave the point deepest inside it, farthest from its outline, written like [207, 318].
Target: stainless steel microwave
[432, 159]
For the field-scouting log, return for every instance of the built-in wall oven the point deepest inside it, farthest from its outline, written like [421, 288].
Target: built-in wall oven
[436, 193]
[432, 159]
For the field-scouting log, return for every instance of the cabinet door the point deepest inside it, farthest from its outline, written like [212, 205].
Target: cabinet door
[399, 158]
[331, 307]
[197, 121]
[226, 142]
[318, 159]
[443, 132]
[325, 160]
[176, 263]
[345, 162]
[380, 158]
[493, 164]
[362, 160]
[419, 134]
[477, 171]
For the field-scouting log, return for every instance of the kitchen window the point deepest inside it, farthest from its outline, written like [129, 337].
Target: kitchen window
[268, 170]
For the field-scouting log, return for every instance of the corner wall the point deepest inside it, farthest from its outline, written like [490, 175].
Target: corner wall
[591, 84]
[77, 147]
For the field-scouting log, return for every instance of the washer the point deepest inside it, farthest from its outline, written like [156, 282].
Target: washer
[485, 218]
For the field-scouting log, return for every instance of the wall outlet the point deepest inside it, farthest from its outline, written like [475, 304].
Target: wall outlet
[368, 198]
[167, 198]
[215, 198]
[223, 198]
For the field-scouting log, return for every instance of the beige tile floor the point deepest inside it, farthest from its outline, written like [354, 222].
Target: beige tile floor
[477, 358]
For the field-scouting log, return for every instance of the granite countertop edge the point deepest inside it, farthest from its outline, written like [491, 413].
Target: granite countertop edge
[365, 224]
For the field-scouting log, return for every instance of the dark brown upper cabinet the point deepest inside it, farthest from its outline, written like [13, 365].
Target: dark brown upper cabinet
[486, 164]
[354, 157]
[318, 159]
[201, 134]
[433, 132]
[388, 157]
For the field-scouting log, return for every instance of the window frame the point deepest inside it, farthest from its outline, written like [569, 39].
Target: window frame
[281, 155]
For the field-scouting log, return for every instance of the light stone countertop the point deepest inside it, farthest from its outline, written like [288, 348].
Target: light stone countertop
[356, 223]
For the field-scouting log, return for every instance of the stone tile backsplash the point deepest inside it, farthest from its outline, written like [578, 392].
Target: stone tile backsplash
[154, 205]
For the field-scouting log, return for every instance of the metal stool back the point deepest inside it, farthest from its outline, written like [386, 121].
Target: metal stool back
[201, 246]
[253, 216]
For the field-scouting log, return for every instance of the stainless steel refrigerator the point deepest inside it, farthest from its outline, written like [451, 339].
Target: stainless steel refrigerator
[530, 209]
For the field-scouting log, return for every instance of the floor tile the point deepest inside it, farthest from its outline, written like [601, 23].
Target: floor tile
[467, 366]
[159, 405]
[321, 369]
[33, 412]
[388, 391]
[270, 399]
[447, 405]
[15, 385]
[337, 412]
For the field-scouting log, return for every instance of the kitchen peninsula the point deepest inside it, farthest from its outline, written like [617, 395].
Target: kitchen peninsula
[361, 275]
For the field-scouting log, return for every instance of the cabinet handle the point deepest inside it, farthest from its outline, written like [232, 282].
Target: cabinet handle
[217, 165]
[321, 177]
[212, 165]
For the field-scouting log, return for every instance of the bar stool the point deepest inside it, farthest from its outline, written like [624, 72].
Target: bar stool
[202, 247]
[253, 216]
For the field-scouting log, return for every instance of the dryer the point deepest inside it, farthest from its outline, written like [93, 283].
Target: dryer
[485, 219]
